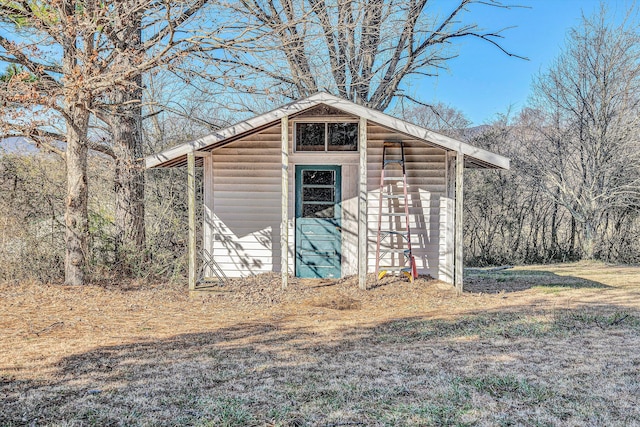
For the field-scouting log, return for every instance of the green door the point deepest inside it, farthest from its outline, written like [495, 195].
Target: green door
[318, 221]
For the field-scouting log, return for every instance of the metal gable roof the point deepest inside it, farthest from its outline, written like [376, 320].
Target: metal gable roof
[176, 155]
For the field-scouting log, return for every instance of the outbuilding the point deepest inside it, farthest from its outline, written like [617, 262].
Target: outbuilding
[297, 190]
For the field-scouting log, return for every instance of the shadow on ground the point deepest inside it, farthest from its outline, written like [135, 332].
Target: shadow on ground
[490, 368]
[487, 281]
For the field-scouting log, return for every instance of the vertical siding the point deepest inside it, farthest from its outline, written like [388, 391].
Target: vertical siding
[245, 223]
[350, 218]
[426, 179]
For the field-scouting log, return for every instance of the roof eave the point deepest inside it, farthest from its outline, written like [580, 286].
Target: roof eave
[484, 157]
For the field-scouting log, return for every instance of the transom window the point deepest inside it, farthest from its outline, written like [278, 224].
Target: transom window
[326, 136]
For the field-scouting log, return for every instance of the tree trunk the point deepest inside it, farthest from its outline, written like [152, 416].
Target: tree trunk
[553, 249]
[129, 179]
[125, 121]
[572, 239]
[588, 243]
[77, 111]
[76, 218]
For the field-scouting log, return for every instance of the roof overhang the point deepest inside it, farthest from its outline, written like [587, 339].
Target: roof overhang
[474, 156]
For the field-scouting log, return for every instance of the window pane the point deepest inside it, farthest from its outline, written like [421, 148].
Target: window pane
[317, 194]
[317, 210]
[309, 136]
[343, 137]
[311, 177]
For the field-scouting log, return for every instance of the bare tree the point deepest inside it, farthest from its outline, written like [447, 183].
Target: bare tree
[361, 50]
[439, 117]
[82, 58]
[587, 153]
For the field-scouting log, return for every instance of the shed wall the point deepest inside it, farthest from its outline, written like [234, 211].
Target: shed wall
[242, 215]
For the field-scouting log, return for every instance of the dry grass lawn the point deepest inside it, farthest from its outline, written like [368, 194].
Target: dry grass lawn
[544, 345]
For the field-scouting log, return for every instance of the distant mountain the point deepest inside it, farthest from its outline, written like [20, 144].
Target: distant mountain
[17, 144]
[472, 132]
[20, 145]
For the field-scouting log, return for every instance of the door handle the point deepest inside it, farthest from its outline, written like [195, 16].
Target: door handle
[339, 228]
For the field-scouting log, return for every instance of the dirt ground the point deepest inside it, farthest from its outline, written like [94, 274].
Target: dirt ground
[535, 345]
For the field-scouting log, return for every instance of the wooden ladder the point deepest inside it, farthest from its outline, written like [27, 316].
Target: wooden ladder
[397, 235]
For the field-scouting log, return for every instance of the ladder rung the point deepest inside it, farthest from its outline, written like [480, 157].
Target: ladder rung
[383, 237]
[386, 235]
[393, 178]
[399, 161]
[401, 233]
[393, 196]
[394, 251]
[394, 214]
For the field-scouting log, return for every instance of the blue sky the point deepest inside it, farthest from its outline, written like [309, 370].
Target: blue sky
[483, 82]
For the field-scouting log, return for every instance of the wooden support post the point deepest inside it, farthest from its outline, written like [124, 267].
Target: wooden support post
[284, 225]
[191, 200]
[362, 205]
[459, 241]
[450, 236]
[208, 229]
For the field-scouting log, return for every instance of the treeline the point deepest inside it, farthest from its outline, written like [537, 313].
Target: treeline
[32, 245]
[512, 217]
[32, 206]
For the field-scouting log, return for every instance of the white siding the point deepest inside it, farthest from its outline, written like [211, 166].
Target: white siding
[242, 208]
[426, 181]
[246, 204]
